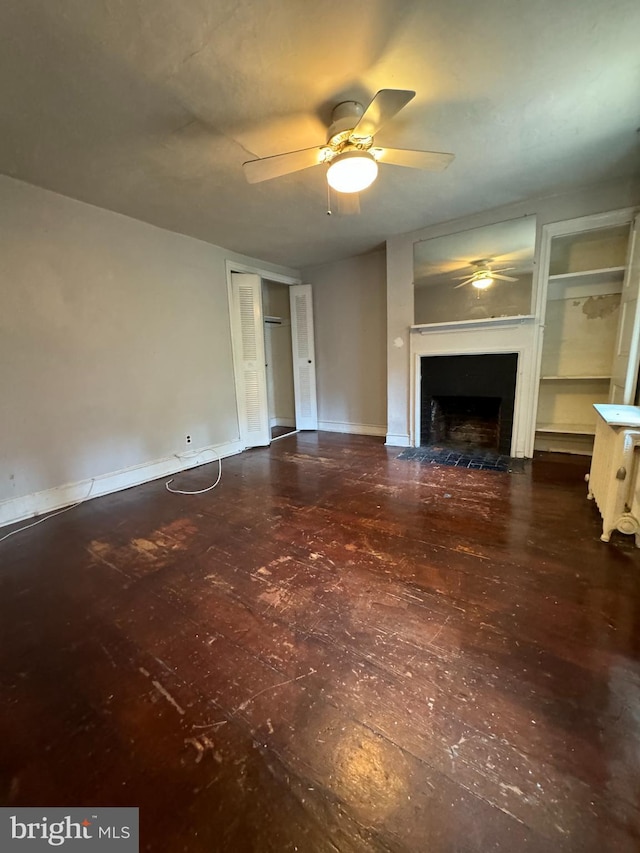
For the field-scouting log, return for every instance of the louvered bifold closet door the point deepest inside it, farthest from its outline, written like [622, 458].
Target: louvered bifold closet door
[304, 359]
[249, 358]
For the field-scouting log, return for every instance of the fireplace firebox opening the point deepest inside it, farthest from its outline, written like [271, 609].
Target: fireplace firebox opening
[467, 401]
[470, 421]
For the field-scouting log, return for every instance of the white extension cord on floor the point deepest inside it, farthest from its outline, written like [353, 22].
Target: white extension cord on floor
[179, 456]
[51, 515]
[197, 491]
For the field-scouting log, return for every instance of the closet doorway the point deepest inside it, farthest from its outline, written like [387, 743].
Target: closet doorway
[276, 311]
[273, 347]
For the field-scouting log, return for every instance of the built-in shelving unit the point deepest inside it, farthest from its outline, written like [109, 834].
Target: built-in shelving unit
[586, 270]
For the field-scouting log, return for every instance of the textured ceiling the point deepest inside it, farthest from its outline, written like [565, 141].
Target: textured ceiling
[150, 107]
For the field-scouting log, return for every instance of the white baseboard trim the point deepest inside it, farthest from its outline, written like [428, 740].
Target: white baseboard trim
[28, 506]
[354, 429]
[398, 440]
[283, 422]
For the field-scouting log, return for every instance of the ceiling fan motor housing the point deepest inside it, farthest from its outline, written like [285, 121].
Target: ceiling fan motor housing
[345, 117]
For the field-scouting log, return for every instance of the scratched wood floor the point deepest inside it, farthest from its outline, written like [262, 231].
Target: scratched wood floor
[332, 651]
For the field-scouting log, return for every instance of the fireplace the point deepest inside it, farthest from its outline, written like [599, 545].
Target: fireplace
[468, 401]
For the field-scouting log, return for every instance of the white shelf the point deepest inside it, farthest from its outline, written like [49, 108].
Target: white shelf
[599, 378]
[600, 276]
[567, 429]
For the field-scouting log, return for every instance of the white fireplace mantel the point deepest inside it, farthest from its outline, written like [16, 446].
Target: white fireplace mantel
[483, 337]
[488, 323]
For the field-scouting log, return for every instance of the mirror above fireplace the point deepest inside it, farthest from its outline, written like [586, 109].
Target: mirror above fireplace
[479, 274]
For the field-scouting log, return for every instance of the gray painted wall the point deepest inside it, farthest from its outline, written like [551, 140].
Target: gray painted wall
[349, 303]
[114, 341]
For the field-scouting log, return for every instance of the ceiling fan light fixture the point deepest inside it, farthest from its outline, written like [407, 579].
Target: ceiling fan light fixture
[482, 281]
[352, 171]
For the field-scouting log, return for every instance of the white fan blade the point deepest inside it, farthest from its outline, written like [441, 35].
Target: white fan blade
[281, 164]
[291, 132]
[468, 281]
[385, 105]
[502, 277]
[432, 161]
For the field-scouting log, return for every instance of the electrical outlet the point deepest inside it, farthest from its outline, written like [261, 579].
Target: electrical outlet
[188, 439]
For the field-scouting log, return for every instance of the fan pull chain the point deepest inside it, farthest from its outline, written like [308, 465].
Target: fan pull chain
[328, 200]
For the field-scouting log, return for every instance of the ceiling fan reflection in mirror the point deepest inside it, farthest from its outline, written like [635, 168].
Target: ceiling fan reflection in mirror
[484, 276]
[349, 153]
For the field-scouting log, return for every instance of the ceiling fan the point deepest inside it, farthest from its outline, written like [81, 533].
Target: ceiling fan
[349, 153]
[484, 276]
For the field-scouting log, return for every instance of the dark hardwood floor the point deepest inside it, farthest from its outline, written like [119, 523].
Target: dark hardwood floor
[332, 651]
[280, 431]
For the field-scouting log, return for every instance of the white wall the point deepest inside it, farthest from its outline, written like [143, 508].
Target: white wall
[400, 298]
[114, 345]
[349, 306]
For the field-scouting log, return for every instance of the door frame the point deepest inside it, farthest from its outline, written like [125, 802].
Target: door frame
[237, 267]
